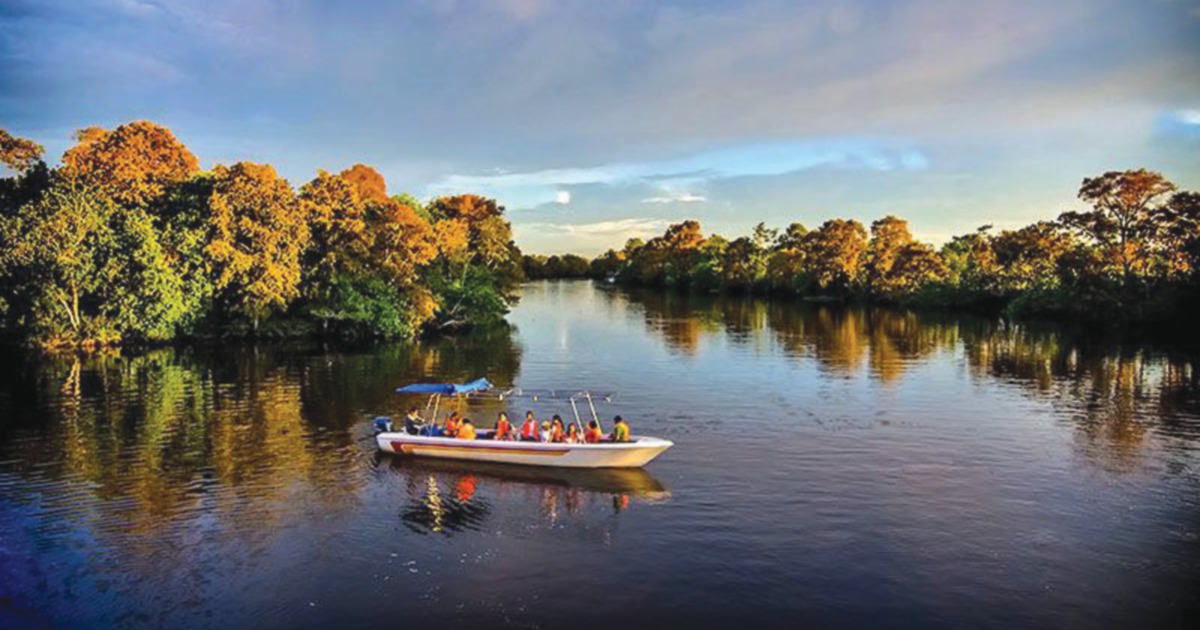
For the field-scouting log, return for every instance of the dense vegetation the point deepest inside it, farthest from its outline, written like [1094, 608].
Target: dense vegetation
[129, 241]
[1134, 255]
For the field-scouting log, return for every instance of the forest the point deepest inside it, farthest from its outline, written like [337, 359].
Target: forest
[128, 241]
[1132, 256]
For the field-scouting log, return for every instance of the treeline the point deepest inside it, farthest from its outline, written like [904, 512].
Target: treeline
[1133, 255]
[539, 267]
[129, 241]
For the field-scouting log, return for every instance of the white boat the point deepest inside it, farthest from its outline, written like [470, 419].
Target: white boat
[635, 453]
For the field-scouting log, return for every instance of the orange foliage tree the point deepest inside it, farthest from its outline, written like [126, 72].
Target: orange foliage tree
[133, 164]
[18, 154]
[258, 232]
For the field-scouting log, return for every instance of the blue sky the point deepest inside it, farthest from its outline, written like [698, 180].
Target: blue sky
[594, 121]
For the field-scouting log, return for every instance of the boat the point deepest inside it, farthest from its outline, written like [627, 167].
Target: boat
[425, 441]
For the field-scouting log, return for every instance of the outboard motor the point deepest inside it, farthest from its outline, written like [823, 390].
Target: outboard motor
[383, 424]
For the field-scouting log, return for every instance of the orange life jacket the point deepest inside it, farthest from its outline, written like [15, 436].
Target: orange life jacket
[556, 433]
[529, 430]
[593, 436]
[503, 429]
[467, 432]
[452, 426]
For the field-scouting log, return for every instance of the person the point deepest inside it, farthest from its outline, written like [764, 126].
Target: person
[545, 432]
[466, 430]
[503, 428]
[453, 424]
[556, 429]
[573, 434]
[620, 432]
[529, 428]
[593, 434]
[413, 422]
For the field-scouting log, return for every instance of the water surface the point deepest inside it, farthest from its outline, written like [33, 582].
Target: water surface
[835, 467]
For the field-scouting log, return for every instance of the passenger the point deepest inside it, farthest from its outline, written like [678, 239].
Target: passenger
[503, 428]
[529, 428]
[466, 430]
[453, 424]
[545, 432]
[620, 431]
[413, 422]
[556, 429]
[573, 434]
[593, 434]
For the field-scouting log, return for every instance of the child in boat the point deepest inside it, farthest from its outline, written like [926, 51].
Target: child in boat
[620, 431]
[466, 431]
[529, 428]
[503, 428]
[593, 434]
[573, 435]
[556, 429]
[545, 436]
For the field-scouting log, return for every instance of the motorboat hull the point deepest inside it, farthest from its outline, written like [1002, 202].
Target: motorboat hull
[636, 453]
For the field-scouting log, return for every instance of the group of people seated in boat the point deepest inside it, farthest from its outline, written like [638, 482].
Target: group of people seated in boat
[552, 431]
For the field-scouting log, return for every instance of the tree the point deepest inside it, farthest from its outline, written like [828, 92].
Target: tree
[18, 154]
[340, 241]
[889, 237]
[133, 164]
[370, 184]
[1028, 257]
[86, 271]
[1124, 219]
[56, 248]
[257, 234]
[834, 254]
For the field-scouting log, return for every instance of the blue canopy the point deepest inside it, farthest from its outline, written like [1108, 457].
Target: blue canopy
[446, 389]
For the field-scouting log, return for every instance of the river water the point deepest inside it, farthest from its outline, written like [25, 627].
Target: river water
[832, 467]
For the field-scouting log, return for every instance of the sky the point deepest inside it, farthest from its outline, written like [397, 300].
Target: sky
[594, 121]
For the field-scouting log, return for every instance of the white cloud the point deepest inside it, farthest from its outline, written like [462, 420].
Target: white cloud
[562, 197]
[528, 188]
[683, 198]
[620, 227]
[1188, 116]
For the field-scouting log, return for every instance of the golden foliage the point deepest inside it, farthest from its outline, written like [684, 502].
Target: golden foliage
[258, 232]
[370, 184]
[132, 164]
[18, 153]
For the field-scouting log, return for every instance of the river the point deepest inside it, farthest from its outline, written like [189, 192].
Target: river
[832, 467]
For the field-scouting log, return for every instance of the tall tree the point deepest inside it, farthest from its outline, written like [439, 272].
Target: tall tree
[835, 253]
[258, 231]
[133, 164]
[1124, 218]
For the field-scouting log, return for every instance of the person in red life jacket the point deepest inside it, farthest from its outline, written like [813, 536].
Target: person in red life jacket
[504, 430]
[594, 434]
[466, 430]
[620, 432]
[529, 428]
[453, 424]
[556, 429]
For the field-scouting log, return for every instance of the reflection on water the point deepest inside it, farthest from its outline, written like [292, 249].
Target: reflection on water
[1114, 395]
[876, 466]
[457, 496]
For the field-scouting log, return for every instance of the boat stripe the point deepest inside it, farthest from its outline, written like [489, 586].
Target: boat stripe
[408, 448]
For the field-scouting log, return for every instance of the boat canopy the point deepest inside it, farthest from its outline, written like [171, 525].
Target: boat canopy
[446, 389]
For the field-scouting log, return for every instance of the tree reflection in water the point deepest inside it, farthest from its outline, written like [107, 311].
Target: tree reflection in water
[1113, 394]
